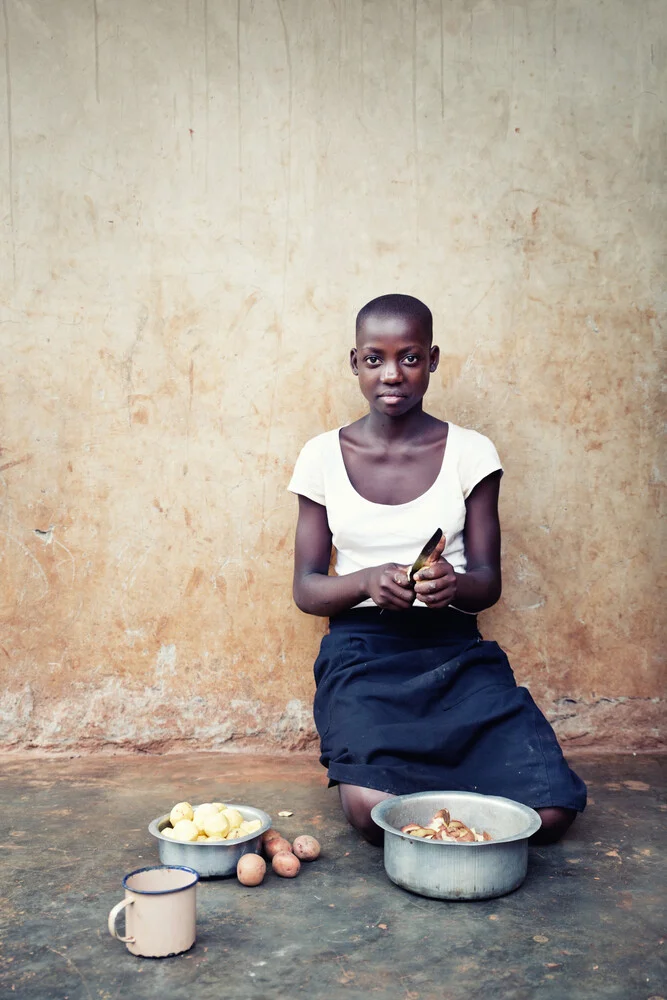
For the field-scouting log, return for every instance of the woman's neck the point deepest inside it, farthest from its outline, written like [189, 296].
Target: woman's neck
[407, 427]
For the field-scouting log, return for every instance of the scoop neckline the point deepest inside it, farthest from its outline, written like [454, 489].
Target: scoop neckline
[393, 506]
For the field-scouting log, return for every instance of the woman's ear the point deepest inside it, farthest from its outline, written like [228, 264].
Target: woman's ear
[434, 358]
[353, 361]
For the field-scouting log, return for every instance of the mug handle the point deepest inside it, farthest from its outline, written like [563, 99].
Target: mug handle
[113, 916]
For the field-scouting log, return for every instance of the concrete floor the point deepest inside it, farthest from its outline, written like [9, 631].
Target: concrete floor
[587, 923]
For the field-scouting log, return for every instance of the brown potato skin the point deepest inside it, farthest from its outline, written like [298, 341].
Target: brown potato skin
[275, 846]
[270, 834]
[286, 864]
[251, 869]
[306, 848]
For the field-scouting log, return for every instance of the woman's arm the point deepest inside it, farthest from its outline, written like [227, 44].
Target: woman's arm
[317, 593]
[481, 584]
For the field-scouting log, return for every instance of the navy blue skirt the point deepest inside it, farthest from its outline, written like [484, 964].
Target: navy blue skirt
[416, 700]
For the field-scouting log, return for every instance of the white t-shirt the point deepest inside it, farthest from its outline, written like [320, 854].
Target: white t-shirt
[368, 534]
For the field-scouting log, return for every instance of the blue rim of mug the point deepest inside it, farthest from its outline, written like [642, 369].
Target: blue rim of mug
[155, 868]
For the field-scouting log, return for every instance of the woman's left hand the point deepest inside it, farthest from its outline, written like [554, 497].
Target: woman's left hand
[436, 585]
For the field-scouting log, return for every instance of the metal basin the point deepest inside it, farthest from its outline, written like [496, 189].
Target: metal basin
[218, 859]
[457, 871]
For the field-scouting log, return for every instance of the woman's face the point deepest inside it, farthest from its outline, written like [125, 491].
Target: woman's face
[393, 360]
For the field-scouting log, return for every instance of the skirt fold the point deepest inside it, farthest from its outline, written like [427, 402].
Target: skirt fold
[418, 701]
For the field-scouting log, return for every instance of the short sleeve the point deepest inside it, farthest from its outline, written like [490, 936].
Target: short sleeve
[478, 458]
[308, 476]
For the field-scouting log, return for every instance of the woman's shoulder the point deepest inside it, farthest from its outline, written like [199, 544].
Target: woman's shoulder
[313, 467]
[321, 443]
[467, 438]
[475, 455]
[319, 452]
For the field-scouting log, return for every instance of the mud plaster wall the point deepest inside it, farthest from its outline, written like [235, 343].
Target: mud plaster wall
[196, 198]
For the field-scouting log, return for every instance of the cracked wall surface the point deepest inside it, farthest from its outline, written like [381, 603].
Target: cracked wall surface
[195, 200]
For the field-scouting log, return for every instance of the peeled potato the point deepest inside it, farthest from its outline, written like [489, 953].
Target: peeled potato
[168, 832]
[186, 830]
[216, 825]
[249, 826]
[286, 864]
[234, 818]
[202, 813]
[182, 810]
[212, 821]
[306, 848]
[251, 869]
[277, 846]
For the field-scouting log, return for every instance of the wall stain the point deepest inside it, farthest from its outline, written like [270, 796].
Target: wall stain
[17, 461]
[175, 341]
[194, 582]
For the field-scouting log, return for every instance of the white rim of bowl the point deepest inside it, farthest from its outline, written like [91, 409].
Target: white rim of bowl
[534, 822]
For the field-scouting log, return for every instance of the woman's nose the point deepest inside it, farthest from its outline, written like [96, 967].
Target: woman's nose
[391, 372]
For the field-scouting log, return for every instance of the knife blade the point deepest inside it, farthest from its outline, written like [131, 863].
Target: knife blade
[428, 550]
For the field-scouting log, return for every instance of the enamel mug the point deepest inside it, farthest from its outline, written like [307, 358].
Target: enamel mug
[160, 911]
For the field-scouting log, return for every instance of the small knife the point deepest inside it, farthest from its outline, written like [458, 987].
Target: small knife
[428, 550]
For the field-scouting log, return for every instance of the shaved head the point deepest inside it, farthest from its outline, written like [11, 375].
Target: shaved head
[405, 306]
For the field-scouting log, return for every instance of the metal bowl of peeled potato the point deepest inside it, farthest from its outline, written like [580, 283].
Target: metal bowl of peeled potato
[210, 837]
[456, 845]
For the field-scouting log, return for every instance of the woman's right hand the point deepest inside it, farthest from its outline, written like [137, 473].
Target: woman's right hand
[388, 586]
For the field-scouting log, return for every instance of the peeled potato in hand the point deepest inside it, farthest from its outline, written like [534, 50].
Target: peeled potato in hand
[182, 810]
